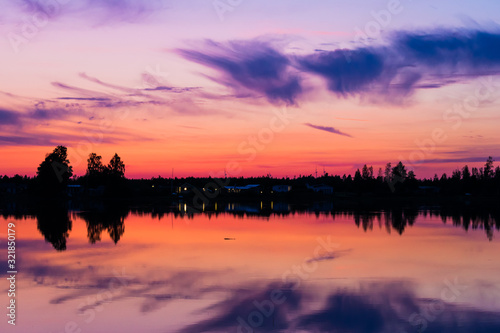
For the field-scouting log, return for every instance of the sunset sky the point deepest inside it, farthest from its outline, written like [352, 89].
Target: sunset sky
[250, 86]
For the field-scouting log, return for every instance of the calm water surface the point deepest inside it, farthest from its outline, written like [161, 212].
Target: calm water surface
[143, 272]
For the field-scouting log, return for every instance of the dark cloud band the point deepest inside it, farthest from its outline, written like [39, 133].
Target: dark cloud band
[250, 67]
[328, 129]
[408, 61]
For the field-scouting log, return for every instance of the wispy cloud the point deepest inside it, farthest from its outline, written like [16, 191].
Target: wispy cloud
[250, 67]
[26, 126]
[172, 89]
[13, 140]
[100, 12]
[80, 108]
[81, 93]
[109, 85]
[408, 61]
[56, 138]
[470, 159]
[41, 111]
[44, 111]
[98, 99]
[8, 117]
[328, 129]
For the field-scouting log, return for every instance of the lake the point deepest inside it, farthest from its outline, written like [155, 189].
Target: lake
[254, 268]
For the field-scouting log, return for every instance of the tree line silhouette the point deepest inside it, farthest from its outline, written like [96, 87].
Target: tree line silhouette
[55, 173]
[97, 173]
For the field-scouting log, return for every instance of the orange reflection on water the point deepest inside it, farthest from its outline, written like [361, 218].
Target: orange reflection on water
[165, 270]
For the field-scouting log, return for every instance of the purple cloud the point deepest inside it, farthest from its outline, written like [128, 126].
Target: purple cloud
[94, 99]
[345, 71]
[471, 159]
[24, 140]
[102, 12]
[410, 61]
[250, 67]
[393, 71]
[39, 112]
[176, 90]
[9, 118]
[328, 129]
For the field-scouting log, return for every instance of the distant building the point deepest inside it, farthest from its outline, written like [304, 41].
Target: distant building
[75, 190]
[282, 188]
[428, 189]
[321, 188]
[12, 188]
[184, 188]
[253, 188]
[97, 192]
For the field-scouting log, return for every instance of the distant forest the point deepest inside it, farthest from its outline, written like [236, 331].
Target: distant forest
[55, 178]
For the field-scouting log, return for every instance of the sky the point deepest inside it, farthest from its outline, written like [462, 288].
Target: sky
[250, 88]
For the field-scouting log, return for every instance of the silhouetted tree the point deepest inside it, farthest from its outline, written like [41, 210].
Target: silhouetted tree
[399, 171]
[367, 172]
[475, 173]
[54, 172]
[357, 176]
[387, 173]
[488, 168]
[94, 165]
[466, 173]
[116, 167]
[456, 175]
